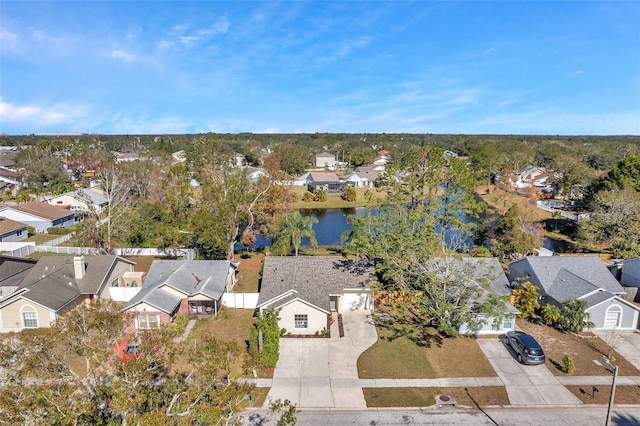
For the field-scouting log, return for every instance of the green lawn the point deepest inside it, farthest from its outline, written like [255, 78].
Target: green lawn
[402, 358]
[41, 238]
[425, 397]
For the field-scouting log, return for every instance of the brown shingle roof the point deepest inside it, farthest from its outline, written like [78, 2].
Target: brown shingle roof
[8, 225]
[44, 210]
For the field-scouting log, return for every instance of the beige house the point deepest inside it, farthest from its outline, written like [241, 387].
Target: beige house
[326, 160]
[307, 289]
[57, 284]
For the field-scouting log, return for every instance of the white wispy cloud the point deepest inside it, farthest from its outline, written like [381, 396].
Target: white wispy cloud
[576, 73]
[122, 55]
[188, 41]
[345, 48]
[24, 113]
[8, 39]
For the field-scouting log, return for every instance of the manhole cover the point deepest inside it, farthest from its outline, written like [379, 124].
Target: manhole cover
[444, 398]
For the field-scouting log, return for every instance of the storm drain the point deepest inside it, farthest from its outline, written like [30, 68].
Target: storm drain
[445, 400]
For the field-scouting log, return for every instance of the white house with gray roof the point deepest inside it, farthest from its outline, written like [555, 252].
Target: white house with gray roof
[306, 289]
[180, 286]
[85, 200]
[560, 279]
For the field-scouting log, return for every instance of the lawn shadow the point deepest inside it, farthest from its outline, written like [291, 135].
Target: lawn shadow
[398, 326]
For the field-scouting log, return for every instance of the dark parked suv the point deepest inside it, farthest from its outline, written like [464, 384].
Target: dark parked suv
[527, 349]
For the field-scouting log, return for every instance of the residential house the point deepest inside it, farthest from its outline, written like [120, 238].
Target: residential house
[179, 156]
[9, 181]
[90, 200]
[12, 271]
[328, 181]
[41, 215]
[630, 273]
[180, 286]
[11, 230]
[326, 160]
[306, 289]
[254, 173]
[530, 177]
[487, 273]
[57, 284]
[562, 278]
[364, 176]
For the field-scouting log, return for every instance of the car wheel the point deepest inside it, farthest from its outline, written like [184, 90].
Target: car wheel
[520, 358]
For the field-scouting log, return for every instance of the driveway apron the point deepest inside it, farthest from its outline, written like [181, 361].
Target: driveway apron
[322, 373]
[525, 384]
[626, 344]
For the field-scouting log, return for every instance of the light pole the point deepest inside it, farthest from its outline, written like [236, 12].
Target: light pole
[613, 392]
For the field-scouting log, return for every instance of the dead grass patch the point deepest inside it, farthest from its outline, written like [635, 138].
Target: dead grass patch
[143, 263]
[425, 397]
[401, 358]
[249, 273]
[625, 394]
[584, 351]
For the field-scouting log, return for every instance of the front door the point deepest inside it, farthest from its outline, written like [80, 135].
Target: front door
[333, 303]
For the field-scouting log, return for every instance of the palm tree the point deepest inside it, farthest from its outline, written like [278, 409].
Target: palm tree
[575, 317]
[525, 299]
[294, 228]
[551, 314]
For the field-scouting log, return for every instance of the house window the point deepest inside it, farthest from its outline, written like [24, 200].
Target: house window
[148, 321]
[612, 318]
[507, 322]
[301, 320]
[19, 233]
[30, 319]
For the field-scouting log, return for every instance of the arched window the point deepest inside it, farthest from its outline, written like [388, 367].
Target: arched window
[29, 317]
[613, 316]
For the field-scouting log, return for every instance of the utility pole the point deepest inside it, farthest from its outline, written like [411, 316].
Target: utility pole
[613, 393]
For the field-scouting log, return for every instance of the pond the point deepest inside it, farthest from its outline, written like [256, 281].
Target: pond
[333, 222]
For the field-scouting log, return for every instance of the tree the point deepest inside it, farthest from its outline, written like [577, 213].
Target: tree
[574, 316]
[293, 158]
[551, 314]
[614, 222]
[68, 375]
[320, 195]
[290, 234]
[349, 194]
[525, 299]
[486, 160]
[515, 234]
[117, 190]
[40, 165]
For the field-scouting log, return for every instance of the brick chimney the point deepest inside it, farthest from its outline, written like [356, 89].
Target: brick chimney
[78, 267]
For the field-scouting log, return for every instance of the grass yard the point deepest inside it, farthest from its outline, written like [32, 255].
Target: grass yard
[425, 397]
[584, 351]
[249, 273]
[625, 394]
[401, 358]
[40, 238]
[335, 201]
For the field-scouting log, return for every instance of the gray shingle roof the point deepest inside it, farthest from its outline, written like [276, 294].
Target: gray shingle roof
[191, 277]
[569, 277]
[598, 297]
[52, 283]
[313, 278]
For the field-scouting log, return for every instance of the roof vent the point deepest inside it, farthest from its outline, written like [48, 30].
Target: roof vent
[445, 400]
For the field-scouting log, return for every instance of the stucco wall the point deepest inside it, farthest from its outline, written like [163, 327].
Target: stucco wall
[317, 320]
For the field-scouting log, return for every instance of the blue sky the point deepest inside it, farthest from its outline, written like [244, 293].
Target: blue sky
[142, 67]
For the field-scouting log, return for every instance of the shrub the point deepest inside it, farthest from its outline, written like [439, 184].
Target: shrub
[178, 325]
[31, 230]
[320, 195]
[349, 194]
[568, 366]
[308, 197]
[267, 323]
[58, 231]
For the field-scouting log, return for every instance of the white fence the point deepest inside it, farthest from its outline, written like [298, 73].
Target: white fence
[123, 294]
[554, 206]
[61, 239]
[240, 300]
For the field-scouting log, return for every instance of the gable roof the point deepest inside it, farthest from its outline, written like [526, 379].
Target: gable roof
[311, 279]
[323, 177]
[190, 277]
[52, 282]
[87, 195]
[568, 277]
[8, 226]
[325, 155]
[43, 210]
[477, 272]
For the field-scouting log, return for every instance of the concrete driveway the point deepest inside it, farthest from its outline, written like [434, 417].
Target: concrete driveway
[626, 344]
[526, 384]
[322, 373]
